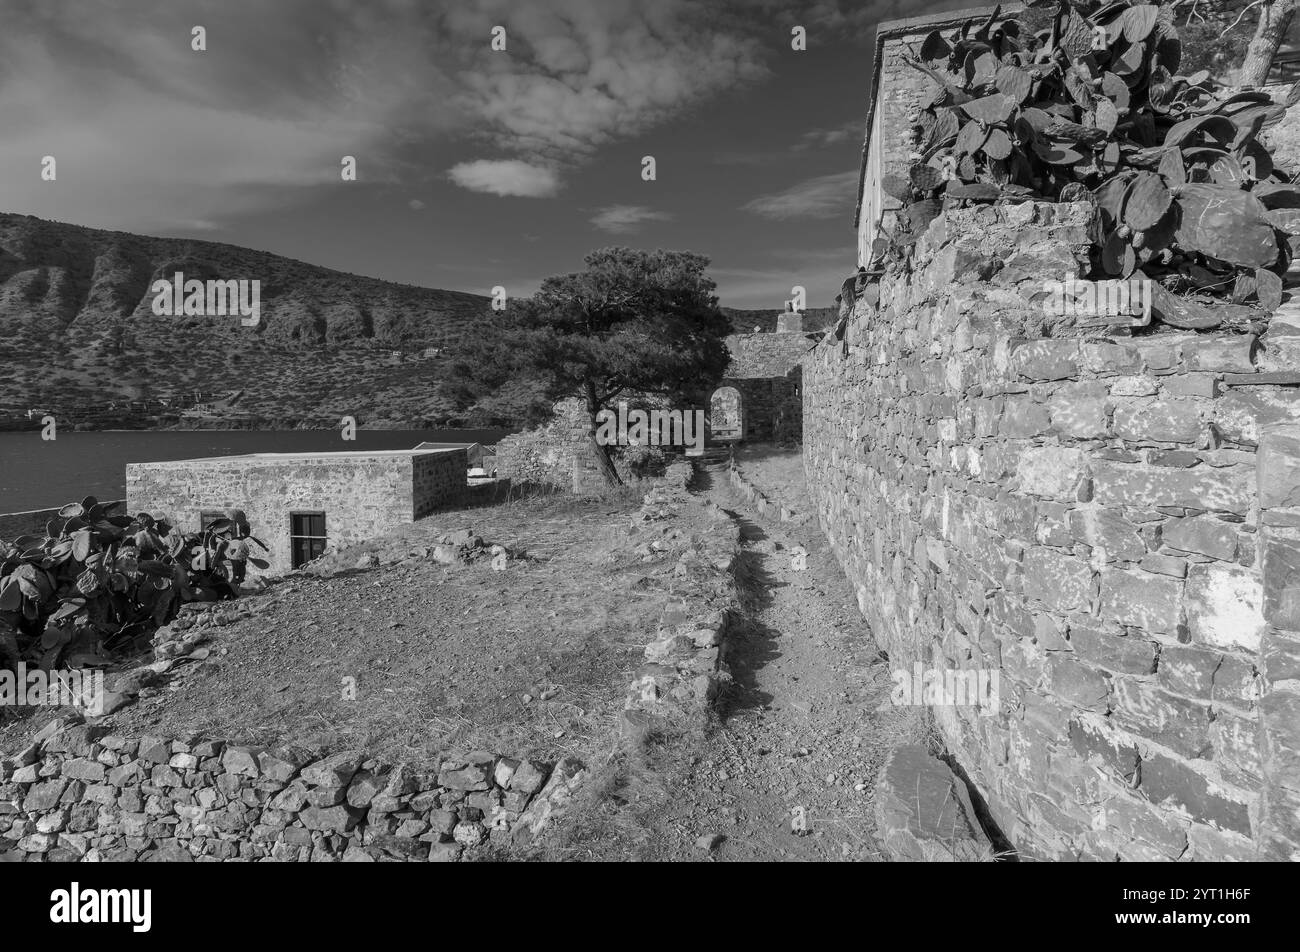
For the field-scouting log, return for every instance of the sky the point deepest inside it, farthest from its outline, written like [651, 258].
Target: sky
[475, 167]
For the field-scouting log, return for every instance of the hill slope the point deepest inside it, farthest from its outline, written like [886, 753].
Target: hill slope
[78, 335]
[77, 327]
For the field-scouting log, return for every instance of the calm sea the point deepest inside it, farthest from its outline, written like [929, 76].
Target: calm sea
[36, 473]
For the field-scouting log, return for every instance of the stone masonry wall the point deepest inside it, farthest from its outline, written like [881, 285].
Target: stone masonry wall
[80, 794]
[437, 480]
[1111, 523]
[765, 370]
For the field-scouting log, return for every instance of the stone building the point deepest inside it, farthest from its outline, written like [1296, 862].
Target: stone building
[759, 399]
[301, 503]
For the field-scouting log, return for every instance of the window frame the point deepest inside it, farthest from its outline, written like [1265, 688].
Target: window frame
[295, 537]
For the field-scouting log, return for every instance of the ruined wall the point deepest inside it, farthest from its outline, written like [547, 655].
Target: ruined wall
[1109, 522]
[362, 494]
[83, 795]
[765, 370]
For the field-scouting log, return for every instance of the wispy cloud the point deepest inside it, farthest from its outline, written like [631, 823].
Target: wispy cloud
[506, 177]
[822, 197]
[850, 131]
[624, 219]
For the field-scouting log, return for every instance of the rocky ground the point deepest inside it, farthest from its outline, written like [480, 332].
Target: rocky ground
[786, 771]
[389, 648]
[532, 658]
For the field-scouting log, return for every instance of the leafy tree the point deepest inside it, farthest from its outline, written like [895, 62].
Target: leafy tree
[633, 322]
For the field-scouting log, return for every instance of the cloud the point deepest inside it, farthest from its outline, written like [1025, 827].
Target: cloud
[415, 205]
[823, 197]
[579, 75]
[623, 219]
[151, 135]
[158, 134]
[850, 131]
[506, 177]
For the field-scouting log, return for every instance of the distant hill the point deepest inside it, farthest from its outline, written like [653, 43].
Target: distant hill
[78, 333]
[77, 327]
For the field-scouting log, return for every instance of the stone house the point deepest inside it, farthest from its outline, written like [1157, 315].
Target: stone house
[300, 504]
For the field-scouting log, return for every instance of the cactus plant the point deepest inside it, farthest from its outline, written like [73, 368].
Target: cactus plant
[1093, 109]
[85, 589]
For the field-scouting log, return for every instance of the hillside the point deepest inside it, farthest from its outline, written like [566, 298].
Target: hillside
[77, 328]
[79, 339]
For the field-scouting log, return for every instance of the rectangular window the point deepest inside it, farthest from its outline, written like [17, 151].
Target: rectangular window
[209, 516]
[306, 536]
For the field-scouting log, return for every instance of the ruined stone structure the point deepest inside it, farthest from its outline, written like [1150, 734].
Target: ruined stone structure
[765, 372]
[359, 494]
[79, 794]
[759, 399]
[1111, 523]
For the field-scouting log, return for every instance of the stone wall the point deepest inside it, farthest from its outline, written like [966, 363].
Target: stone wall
[765, 370]
[1107, 520]
[79, 794]
[685, 663]
[361, 494]
[32, 521]
[437, 480]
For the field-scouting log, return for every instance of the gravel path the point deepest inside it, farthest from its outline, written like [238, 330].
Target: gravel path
[800, 733]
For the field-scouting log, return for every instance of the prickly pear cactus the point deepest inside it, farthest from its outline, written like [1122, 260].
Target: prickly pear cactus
[1093, 108]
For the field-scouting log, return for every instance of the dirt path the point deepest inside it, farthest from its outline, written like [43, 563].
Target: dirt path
[801, 731]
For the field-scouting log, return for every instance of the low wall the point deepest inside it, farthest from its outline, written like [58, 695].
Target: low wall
[685, 663]
[1110, 523]
[83, 795]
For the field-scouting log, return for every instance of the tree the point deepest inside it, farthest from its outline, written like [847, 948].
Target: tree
[1274, 20]
[633, 322]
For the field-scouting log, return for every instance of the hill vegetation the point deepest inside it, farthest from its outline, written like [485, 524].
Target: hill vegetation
[78, 335]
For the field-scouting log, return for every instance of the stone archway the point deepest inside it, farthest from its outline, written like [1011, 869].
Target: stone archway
[726, 414]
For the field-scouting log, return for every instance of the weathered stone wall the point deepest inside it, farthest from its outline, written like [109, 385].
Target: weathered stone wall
[79, 794]
[1104, 520]
[685, 663]
[765, 370]
[31, 522]
[361, 494]
[437, 480]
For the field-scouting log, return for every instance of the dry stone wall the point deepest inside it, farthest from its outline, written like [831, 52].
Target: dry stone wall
[79, 794]
[1109, 520]
[685, 663]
